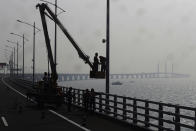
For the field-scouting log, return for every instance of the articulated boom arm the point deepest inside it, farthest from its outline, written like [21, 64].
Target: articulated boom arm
[42, 8]
[47, 39]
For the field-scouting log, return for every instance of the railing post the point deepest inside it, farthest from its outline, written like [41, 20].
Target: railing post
[146, 113]
[74, 96]
[124, 108]
[134, 111]
[107, 103]
[63, 89]
[67, 89]
[115, 106]
[78, 97]
[100, 102]
[83, 99]
[160, 116]
[195, 120]
[177, 118]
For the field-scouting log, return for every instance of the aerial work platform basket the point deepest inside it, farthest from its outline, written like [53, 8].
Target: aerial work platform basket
[97, 75]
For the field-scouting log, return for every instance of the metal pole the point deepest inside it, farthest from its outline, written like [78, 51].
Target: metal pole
[108, 52]
[14, 62]
[165, 67]
[10, 64]
[33, 54]
[23, 57]
[55, 37]
[17, 58]
[48, 67]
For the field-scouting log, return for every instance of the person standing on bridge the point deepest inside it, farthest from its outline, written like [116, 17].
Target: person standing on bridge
[69, 97]
[45, 79]
[96, 62]
[103, 63]
[86, 97]
[92, 100]
[45, 76]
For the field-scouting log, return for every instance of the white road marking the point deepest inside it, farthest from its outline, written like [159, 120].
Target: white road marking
[57, 114]
[13, 88]
[70, 121]
[4, 121]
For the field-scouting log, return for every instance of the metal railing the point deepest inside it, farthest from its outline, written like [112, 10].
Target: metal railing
[150, 114]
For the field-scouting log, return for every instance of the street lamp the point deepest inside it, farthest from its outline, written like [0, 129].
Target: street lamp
[11, 63]
[22, 36]
[12, 58]
[55, 36]
[56, 6]
[107, 52]
[107, 41]
[34, 33]
[17, 51]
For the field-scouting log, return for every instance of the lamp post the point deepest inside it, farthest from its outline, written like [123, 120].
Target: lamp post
[17, 52]
[55, 34]
[34, 33]
[11, 63]
[12, 58]
[23, 38]
[6, 54]
[107, 40]
[13, 48]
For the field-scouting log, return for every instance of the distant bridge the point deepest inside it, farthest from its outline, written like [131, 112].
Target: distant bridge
[72, 77]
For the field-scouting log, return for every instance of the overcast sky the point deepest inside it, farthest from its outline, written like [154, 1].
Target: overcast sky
[143, 34]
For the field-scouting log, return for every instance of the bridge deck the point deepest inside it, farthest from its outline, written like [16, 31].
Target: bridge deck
[18, 114]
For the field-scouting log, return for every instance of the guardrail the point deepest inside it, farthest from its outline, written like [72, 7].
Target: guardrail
[150, 114]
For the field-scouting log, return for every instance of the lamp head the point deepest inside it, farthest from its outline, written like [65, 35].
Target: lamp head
[18, 20]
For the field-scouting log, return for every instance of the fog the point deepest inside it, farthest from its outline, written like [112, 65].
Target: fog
[143, 34]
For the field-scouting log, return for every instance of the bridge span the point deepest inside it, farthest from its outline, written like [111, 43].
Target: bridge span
[71, 77]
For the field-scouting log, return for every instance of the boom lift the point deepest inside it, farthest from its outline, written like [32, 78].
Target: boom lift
[43, 8]
[53, 94]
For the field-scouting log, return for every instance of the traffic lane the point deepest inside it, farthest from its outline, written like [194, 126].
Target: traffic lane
[18, 87]
[34, 120]
[30, 118]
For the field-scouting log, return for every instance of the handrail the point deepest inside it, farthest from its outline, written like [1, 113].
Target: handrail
[124, 110]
